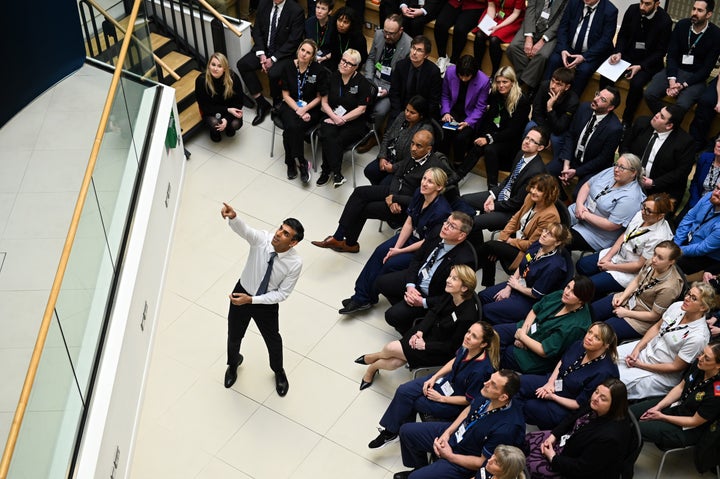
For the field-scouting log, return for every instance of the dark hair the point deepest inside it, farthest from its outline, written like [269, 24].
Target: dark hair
[548, 185]
[329, 3]
[565, 75]
[616, 95]
[466, 66]
[664, 204]
[618, 399]
[544, 136]
[425, 42]
[710, 5]
[492, 340]
[715, 347]
[466, 223]
[584, 288]
[512, 386]
[677, 113]
[297, 226]
[675, 251]
[350, 14]
[397, 18]
[421, 105]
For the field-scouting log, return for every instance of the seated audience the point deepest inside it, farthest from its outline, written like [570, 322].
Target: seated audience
[606, 204]
[220, 97]
[612, 269]
[705, 112]
[644, 300]
[462, 16]
[654, 365]
[492, 209]
[464, 98]
[508, 19]
[416, 75]
[384, 202]
[500, 132]
[507, 462]
[303, 83]
[665, 151]
[348, 36]
[446, 393]
[707, 175]
[524, 228]
[426, 213]
[698, 235]
[548, 398]
[321, 29]
[463, 446]
[534, 345]
[395, 144]
[415, 13]
[686, 413]
[344, 105]
[542, 269]
[555, 105]
[588, 444]
[591, 140]
[422, 285]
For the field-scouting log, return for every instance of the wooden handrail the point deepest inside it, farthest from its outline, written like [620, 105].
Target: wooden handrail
[157, 59]
[217, 15]
[67, 248]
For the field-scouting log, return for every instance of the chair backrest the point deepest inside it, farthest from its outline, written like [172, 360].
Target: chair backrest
[634, 448]
[478, 305]
[685, 286]
[567, 256]
[370, 110]
[563, 212]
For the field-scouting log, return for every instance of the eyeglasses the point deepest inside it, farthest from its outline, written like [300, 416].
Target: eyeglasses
[390, 34]
[691, 296]
[602, 99]
[415, 48]
[621, 167]
[450, 226]
[532, 141]
[648, 211]
[717, 187]
[546, 231]
[347, 63]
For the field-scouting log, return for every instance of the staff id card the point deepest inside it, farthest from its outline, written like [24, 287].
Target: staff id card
[688, 59]
[340, 110]
[460, 433]
[591, 205]
[447, 388]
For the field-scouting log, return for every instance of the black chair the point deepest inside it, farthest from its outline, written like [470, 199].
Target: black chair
[636, 444]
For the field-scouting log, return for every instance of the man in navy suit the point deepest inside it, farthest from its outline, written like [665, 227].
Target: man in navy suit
[590, 143]
[665, 150]
[585, 39]
[278, 30]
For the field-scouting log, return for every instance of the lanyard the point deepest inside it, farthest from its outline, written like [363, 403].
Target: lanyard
[534, 259]
[301, 85]
[671, 327]
[482, 412]
[528, 217]
[388, 54]
[692, 47]
[347, 43]
[578, 364]
[711, 213]
[458, 365]
[319, 30]
[691, 388]
[602, 193]
[635, 233]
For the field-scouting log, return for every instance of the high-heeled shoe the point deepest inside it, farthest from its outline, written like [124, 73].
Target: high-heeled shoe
[366, 384]
[361, 360]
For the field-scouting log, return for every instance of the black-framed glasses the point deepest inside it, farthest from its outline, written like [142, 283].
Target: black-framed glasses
[450, 226]
[347, 63]
[532, 140]
[390, 34]
[622, 168]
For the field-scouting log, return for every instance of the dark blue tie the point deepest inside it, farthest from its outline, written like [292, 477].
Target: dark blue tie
[273, 31]
[505, 192]
[266, 279]
[583, 31]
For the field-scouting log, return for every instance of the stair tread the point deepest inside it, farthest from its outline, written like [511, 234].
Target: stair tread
[185, 86]
[175, 60]
[190, 118]
[157, 41]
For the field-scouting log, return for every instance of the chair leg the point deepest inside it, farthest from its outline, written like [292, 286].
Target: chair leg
[272, 141]
[313, 147]
[352, 164]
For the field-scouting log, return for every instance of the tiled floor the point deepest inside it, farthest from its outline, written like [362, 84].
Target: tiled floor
[191, 426]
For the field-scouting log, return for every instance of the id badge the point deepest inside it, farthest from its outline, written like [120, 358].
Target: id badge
[591, 205]
[385, 72]
[501, 14]
[447, 388]
[301, 103]
[421, 3]
[688, 59]
[424, 274]
[639, 45]
[533, 328]
[340, 110]
[522, 282]
[460, 433]
[454, 317]
[545, 15]
[483, 474]
[563, 440]
[558, 385]
[632, 302]
[319, 54]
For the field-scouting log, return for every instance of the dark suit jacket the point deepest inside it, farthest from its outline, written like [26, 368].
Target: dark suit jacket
[462, 253]
[517, 190]
[705, 52]
[601, 33]
[657, 37]
[290, 24]
[429, 85]
[673, 161]
[558, 120]
[600, 149]
[404, 182]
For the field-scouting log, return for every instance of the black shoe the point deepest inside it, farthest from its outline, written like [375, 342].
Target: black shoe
[229, 131]
[346, 301]
[323, 180]
[215, 136]
[403, 474]
[361, 360]
[366, 384]
[281, 383]
[249, 102]
[353, 307]
[338, 180]
[263, 108]
[384, 438]
[231, 373]
[304, 170]
[292, 171]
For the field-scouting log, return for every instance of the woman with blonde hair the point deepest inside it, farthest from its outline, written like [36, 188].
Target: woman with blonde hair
[502, 127]
[507, 462]
[445, 394]
[220, 97]
[436, 336]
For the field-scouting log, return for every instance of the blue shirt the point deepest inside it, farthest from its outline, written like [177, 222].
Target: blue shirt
[699, 231]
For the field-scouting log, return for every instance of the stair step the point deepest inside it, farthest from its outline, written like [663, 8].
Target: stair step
[175, 60]
[190, 119]
[185, 86]
[158, 41]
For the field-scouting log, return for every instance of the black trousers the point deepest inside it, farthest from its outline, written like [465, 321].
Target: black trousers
[366, 202]
[336, 139]
[266, 319]
[294, 130]
[400, 315]
[491, 252]
[248, 66]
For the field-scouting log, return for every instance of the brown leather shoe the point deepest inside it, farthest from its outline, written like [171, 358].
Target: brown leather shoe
[367, 146]
[328, 242]
[342, 247]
